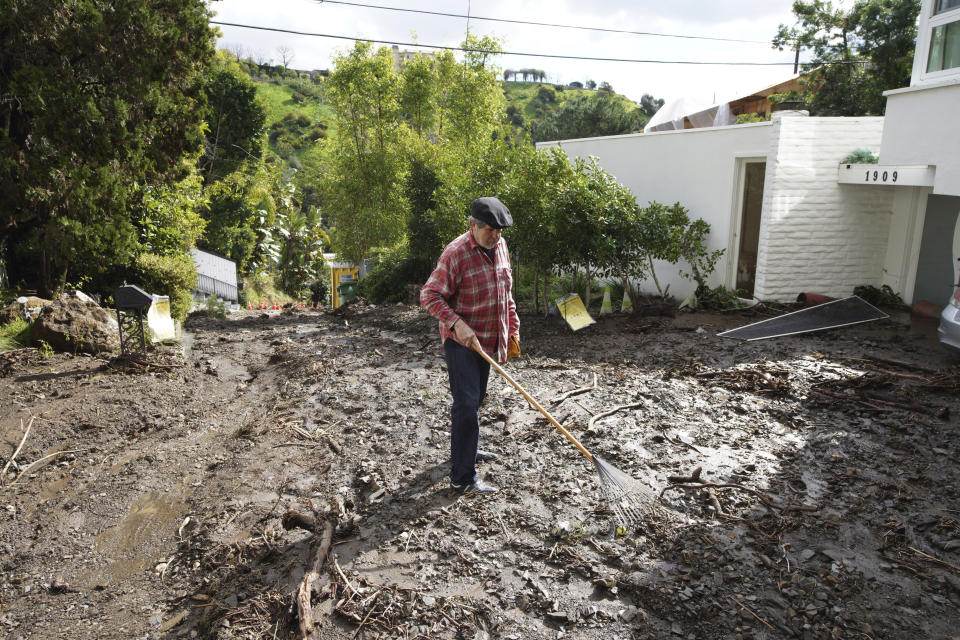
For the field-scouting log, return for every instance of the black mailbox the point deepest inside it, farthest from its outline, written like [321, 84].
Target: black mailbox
[130, 297]
[132, 304]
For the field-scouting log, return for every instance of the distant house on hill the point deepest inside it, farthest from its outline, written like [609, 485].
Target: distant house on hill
[401, 56]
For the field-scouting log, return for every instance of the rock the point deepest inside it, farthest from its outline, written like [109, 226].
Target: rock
[74, 325]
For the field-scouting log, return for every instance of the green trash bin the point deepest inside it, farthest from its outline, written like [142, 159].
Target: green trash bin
[347, 290]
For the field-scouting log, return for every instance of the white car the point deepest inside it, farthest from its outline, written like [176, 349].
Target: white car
[949, 330]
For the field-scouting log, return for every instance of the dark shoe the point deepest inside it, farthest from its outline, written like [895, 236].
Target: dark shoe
[477, 486]
[485, 456]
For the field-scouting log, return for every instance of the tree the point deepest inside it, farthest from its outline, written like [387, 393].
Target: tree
[591, 84]
[857, 54]
[420, 78]
[235, 122]
[365, 201]
[650, 105]
[286, 55]
[99, 96]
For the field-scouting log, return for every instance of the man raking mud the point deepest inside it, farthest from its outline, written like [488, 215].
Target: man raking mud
[471, 294]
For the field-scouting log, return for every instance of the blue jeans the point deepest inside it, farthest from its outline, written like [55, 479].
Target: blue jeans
[468, 384]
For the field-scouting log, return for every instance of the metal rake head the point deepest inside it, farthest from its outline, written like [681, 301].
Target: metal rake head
[631, 500]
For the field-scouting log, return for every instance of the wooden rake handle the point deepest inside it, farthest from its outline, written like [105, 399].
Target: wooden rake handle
[533, 402]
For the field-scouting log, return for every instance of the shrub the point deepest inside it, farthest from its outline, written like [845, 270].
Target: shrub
[861, 156]
[389, 280]
[882, 297]
[215, 307]
[173, 276]
[15, 335]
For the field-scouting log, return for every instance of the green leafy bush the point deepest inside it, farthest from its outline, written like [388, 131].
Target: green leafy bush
[389, 280]
[215, 307]
[882, 297]
[173, 276]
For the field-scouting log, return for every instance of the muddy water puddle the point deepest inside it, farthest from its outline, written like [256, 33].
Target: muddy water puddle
[135, 544]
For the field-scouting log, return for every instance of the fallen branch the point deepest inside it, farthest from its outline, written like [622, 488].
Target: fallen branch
[901, 363]
[613, 411]
[576, 392]
[933, 559]
[893, 401]
[3, 474]
[305, 590]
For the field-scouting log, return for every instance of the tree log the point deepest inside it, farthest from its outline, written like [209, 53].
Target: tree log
[305, 590]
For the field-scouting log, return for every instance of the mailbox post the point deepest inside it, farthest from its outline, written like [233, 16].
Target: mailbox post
[132, 304]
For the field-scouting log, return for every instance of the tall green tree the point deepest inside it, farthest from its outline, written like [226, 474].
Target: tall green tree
[235, 120]
[365, 189]
[98, 96]
[857, 54]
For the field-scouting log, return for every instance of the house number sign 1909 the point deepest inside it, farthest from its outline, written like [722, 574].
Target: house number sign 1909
[880, 176]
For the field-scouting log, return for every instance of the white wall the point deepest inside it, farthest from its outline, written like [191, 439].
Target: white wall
[817, 235]
[921, 128]
[694, 167]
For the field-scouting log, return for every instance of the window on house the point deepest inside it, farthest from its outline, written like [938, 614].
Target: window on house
[945, 5]
[944, 45]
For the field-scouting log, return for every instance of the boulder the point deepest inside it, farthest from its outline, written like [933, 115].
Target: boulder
[75, 325]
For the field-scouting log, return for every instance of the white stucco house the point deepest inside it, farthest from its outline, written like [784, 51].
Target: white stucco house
[790, 216]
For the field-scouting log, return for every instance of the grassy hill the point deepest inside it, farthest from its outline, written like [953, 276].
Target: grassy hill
[297, 114]
[525, 97]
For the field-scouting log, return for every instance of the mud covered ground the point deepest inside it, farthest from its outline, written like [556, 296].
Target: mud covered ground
[803, 487]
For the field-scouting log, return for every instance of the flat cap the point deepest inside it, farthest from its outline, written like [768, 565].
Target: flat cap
[491, 212]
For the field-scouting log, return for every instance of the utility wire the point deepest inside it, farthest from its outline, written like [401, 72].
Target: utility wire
[540, 24]
[509, 53]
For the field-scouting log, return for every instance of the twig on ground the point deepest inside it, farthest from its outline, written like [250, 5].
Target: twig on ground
[589, 411]
[576, 392]
[336, 565]
[934, 559]
[3, 474]
[612, 411]
[751, 612]
[36, 463]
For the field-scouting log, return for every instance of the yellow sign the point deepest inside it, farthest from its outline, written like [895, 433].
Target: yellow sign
[572, 310]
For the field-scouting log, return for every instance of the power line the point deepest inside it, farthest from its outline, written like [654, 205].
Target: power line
[541, 24]
[505, 53]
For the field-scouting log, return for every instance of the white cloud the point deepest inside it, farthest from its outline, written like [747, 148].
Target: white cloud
[736, 19]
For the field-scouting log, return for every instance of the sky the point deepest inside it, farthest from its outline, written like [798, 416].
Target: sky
[745, 20]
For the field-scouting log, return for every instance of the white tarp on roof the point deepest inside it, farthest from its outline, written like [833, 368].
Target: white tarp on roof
[671, 115]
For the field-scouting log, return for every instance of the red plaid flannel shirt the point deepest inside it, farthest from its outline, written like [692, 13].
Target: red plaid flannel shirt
[467, 285]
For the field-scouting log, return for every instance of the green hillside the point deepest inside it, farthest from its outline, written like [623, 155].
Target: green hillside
[297, 115]
[525, 97]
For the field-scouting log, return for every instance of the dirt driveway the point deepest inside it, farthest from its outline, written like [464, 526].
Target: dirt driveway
[809, 484]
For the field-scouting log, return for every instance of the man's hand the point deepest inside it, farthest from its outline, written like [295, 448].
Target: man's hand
[465, 335]
[513, 346]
